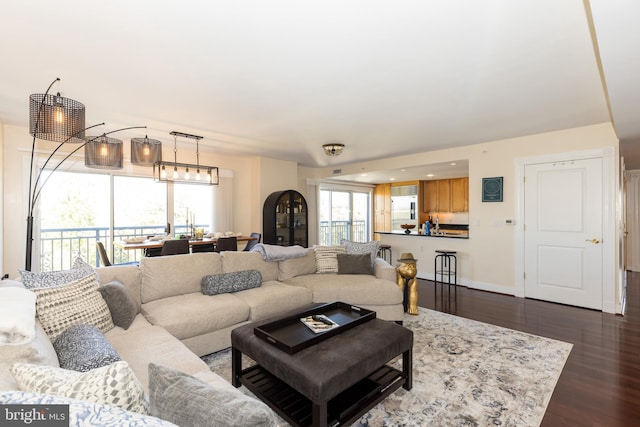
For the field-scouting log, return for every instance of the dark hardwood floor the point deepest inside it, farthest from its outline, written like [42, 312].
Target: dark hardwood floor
[600, 383]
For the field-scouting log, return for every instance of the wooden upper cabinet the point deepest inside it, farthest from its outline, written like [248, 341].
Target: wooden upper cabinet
[445, 195]
[429, 196]
[382, 207]
[459, 201]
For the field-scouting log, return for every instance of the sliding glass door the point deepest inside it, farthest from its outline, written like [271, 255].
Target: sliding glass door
[344, 214]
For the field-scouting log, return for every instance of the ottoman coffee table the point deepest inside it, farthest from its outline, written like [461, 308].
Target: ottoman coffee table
[326, 379]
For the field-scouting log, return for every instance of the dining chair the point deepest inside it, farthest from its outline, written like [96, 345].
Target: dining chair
[205, 247]
[104, 258]
[175, 247]
[252, 243]
[227, 244]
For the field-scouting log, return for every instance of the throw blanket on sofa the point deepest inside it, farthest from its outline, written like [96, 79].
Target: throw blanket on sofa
[279, 253]
[17, 315]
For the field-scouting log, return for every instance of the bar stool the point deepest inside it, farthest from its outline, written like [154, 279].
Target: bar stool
[445, 258]
[384, 251]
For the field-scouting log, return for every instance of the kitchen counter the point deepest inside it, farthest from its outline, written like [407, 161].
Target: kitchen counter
[415, 234]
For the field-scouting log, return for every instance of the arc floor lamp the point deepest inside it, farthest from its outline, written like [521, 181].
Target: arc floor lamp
[59, 119]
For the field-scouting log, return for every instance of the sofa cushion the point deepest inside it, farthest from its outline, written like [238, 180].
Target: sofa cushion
[122, 306]
[114, 384]
[82, 414]
[189, 402]
[75, 303]
[189, 315]
[326, 260]
[354, 264]
[167, 276]
[370, 248]
[215, 284]
[289, 268]
[273, 298]
[358, 289]
[241, 260]
[159, 347]
[84, 347]
[51, 279]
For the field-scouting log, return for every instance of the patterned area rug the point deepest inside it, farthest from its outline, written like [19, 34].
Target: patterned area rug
[465, 373]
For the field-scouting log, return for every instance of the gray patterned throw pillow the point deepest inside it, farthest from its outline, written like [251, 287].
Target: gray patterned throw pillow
[370, 248]
[84, 347]
[215, 284]
[52, 279]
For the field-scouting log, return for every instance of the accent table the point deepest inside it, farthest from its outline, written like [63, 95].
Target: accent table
[331, 383]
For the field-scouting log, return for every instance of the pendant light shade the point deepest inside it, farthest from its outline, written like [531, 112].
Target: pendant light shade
[102, 152]
[56, 118]
[145, 151]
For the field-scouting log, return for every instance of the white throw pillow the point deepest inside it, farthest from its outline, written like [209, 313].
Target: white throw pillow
[75, 303]
[114, 385]
[326, 258]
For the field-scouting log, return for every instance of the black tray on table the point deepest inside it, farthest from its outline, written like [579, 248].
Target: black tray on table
[289, 334]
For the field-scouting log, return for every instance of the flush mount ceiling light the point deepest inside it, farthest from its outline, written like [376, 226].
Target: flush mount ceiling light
[333, 149]
[182, 172]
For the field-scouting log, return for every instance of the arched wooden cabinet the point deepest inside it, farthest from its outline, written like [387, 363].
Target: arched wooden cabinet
[285, 219]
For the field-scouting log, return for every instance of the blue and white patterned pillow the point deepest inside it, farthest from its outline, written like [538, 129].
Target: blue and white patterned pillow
[82, 413]
[84, 347]
[52, 279]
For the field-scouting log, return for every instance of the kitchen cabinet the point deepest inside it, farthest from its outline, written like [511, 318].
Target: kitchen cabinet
[445, 195]
[382, 207]
[285, 219]
[429, 195]
[459, 200]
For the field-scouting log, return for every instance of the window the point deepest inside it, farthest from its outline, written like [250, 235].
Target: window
[73, 217]
[76, 209]
[344, 215]
[192, 205]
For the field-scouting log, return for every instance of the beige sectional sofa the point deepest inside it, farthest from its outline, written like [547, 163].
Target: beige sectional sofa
[177, 323]
[171, 296]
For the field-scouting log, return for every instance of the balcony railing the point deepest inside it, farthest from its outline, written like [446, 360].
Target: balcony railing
[59, 247]
[332, 232]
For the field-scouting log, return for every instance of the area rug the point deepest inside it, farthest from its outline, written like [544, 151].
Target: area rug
[465, 373]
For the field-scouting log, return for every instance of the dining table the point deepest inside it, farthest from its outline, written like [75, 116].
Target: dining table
[152, 244]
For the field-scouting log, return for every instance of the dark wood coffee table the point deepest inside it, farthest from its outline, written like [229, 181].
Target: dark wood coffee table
[330, 383]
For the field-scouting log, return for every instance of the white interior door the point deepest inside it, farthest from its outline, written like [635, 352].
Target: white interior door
[563, 211]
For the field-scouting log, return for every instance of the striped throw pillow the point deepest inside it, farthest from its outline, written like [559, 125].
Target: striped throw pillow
[327, 258]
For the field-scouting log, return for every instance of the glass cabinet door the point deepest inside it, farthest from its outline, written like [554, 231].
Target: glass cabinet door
[285, 219]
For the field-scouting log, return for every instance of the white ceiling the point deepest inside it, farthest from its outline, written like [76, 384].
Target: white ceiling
[279, 78]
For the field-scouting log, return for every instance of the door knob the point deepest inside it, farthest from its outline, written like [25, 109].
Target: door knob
[594, 241]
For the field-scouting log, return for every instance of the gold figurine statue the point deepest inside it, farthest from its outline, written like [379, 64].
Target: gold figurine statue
[406, 279]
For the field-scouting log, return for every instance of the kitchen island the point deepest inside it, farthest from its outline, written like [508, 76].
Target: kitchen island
[424, 249]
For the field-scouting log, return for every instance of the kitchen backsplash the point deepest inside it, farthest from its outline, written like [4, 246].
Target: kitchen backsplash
[451, 217]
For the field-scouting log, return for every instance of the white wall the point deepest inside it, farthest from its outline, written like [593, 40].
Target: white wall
[488, 257]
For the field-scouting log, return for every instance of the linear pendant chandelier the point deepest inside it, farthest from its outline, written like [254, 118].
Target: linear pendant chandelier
[185, 172]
